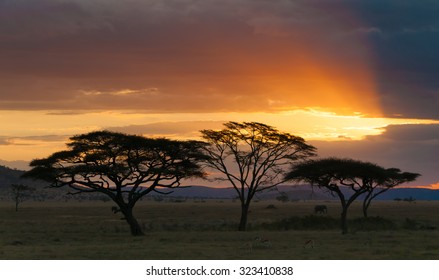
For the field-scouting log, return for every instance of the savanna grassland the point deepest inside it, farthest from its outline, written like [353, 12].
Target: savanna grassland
[207, 230]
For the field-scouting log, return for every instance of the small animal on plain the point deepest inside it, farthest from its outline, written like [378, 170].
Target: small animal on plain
[262, 242]
[320, 209]
[248, 246]
[115, 209]
[309, 243]
[257, 243]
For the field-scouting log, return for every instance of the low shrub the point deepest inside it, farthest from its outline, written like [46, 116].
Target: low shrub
[372, 224]
[318, 222]
[311, 222]
[410, 224]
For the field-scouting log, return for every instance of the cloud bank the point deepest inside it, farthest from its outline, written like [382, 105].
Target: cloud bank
[411, 148]
[198, 56]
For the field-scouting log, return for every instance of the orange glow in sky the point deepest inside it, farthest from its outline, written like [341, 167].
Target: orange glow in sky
[35, 134]
[316, 69]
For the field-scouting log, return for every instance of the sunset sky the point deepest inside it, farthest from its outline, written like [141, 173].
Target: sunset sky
[355, 78]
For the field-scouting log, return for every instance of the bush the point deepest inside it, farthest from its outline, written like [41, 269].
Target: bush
[410, 224]
[317, 222]
[320, 222]
[283, 197]
[371, 224]
[304, 223]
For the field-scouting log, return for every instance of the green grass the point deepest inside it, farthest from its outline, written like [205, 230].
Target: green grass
[192, 230]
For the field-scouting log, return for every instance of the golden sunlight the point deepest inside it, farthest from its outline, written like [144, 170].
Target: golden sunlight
[41, 133]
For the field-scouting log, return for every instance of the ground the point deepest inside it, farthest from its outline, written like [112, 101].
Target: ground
[207, 230]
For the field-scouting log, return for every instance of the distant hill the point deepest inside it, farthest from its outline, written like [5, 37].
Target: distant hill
[416, 193]
[301, 192]
[16, 164]
[293, 192]
[10, 176]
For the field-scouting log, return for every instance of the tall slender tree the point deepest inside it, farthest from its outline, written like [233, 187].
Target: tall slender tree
[253, 157]
[123, 167]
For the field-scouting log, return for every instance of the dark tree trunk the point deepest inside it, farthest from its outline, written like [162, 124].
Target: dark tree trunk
[16, 206]
[365, 206]
[136, 229]
[344, 211]
[244, 215]
[344, 224]
[366, 203]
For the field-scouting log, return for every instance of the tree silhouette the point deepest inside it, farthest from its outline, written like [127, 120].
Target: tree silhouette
[123, 167]
[383, 180]
[283, 197]
[19, 193]
[355, 176]
[252, 156]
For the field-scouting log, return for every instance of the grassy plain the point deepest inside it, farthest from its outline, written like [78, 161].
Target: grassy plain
[207, 230]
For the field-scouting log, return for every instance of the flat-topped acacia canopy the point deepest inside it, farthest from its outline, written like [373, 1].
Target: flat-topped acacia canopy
[357, 176]
[123, 167]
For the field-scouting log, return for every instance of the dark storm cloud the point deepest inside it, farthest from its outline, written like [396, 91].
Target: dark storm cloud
[411, 133]
[34, 21]
[412, 148]
[406, 47]
[52, 51]
[199, 52]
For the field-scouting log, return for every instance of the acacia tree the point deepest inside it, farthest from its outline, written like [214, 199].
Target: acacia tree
[123, 167]
[252, 157]
[19, 193]
[383, 181]
[346, 178]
